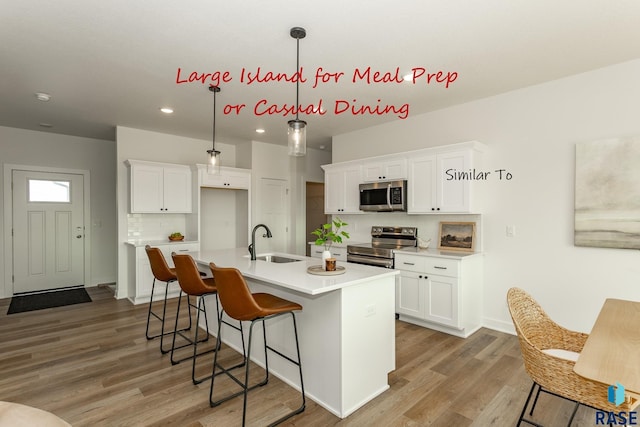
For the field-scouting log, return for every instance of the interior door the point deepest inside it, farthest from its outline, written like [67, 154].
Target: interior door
[273, 213]
[48, 230]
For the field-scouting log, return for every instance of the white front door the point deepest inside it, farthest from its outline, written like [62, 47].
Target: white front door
[48, 230]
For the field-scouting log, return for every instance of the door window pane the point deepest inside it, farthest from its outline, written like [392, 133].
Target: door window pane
[42, 190]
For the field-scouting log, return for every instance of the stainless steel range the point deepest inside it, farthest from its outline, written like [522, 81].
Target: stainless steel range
[383, 241]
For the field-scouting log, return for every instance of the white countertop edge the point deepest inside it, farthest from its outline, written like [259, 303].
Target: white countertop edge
[434, 252]
[324, 289]
[292, 276]
[337, 245]
[138, 243]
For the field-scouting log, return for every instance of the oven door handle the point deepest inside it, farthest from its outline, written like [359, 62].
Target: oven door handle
[389, 196]
[378, 262]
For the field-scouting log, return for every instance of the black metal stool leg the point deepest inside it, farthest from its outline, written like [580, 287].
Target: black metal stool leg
[222, 370]
[189, 341]
[245, 388]
[153, 287]
[187, 328]
[299, 363]
[201, 309]
[162, 318]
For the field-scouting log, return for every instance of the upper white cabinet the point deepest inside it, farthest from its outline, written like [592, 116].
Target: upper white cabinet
[443, 180]
[232, 178]
[384, 171]
[432, 187]
[159, 187]
[439, 179]
[341, 189]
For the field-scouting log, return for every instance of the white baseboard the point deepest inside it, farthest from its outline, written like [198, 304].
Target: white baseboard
[499, 325]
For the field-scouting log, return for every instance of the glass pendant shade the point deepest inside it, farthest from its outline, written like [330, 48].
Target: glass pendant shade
[297, 137]
[297, 133]
[213, 166]
[213, 163]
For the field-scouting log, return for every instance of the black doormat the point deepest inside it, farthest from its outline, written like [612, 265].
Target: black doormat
[59, 298]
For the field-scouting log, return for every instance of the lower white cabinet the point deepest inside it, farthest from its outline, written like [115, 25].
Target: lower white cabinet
[338, 252]
[140, 286]
[442, 293]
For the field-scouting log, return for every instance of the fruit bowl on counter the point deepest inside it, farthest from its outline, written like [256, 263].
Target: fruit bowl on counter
[174, 237]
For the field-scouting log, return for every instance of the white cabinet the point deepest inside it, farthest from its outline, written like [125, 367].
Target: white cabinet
[159, 187]
[439, 179]
[140, 287]
[440, 293]
[384, 171]
[232, 178]
[337, 252]
[432, 183]
[341, 189]
[410, 294]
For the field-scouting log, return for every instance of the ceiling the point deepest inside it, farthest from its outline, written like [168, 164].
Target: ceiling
[116, 62]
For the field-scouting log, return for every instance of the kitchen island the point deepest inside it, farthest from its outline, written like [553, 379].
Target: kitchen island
[346, 328]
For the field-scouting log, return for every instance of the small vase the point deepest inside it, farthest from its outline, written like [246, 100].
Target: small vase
[325, 254]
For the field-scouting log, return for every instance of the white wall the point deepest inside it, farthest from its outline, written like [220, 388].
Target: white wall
[532, 133]
[25, 147]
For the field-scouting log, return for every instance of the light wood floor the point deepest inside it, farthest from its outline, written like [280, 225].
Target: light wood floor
[91, 365]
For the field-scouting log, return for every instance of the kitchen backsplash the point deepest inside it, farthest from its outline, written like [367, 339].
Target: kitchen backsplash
[359, 227]
[154, 226]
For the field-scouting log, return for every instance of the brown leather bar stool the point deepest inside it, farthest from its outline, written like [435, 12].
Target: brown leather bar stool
[240, 304]
[161, 273]
[194, 285]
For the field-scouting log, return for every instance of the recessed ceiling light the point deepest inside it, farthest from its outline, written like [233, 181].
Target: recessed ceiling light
[166, 110]
[44, 97]
[260, 130]
[46, 125]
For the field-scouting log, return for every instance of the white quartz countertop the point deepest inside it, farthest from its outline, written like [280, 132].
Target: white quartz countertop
[436, 253]
[292, 275]
[165, 242]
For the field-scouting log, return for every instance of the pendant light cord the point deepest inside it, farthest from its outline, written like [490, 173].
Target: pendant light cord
[298, 77]
[213, 146]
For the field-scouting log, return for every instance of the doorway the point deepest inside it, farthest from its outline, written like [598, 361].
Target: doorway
[315, 210]
[46, 211]
[274, 208]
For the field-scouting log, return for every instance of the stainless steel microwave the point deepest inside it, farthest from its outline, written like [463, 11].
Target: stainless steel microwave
[383, 196]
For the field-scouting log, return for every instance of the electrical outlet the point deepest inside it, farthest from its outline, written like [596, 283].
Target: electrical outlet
[511, 230]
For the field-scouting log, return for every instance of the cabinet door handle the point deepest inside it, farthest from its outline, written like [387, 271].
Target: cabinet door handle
[183, 250]
[408, 263]
[440, 268]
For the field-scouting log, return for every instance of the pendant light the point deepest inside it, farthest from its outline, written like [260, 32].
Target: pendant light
[297, 133]
[213, 165]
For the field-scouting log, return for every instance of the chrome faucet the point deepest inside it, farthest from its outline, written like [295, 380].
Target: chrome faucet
[252, 246]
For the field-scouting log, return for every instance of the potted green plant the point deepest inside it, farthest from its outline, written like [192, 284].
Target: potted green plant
[329, 233]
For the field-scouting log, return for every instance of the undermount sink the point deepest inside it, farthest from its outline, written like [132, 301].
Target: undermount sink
[276, 258]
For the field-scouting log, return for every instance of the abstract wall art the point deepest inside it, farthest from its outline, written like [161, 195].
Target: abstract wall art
[607, 194]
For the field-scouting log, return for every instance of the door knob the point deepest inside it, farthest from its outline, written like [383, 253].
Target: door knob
[79, 236]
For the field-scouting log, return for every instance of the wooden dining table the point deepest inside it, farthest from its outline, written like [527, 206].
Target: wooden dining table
[612, 352]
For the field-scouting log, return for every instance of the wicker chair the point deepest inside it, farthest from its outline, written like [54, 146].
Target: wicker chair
[541, 340]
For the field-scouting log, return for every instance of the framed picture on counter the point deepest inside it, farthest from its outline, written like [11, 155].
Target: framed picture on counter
[457, 236]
